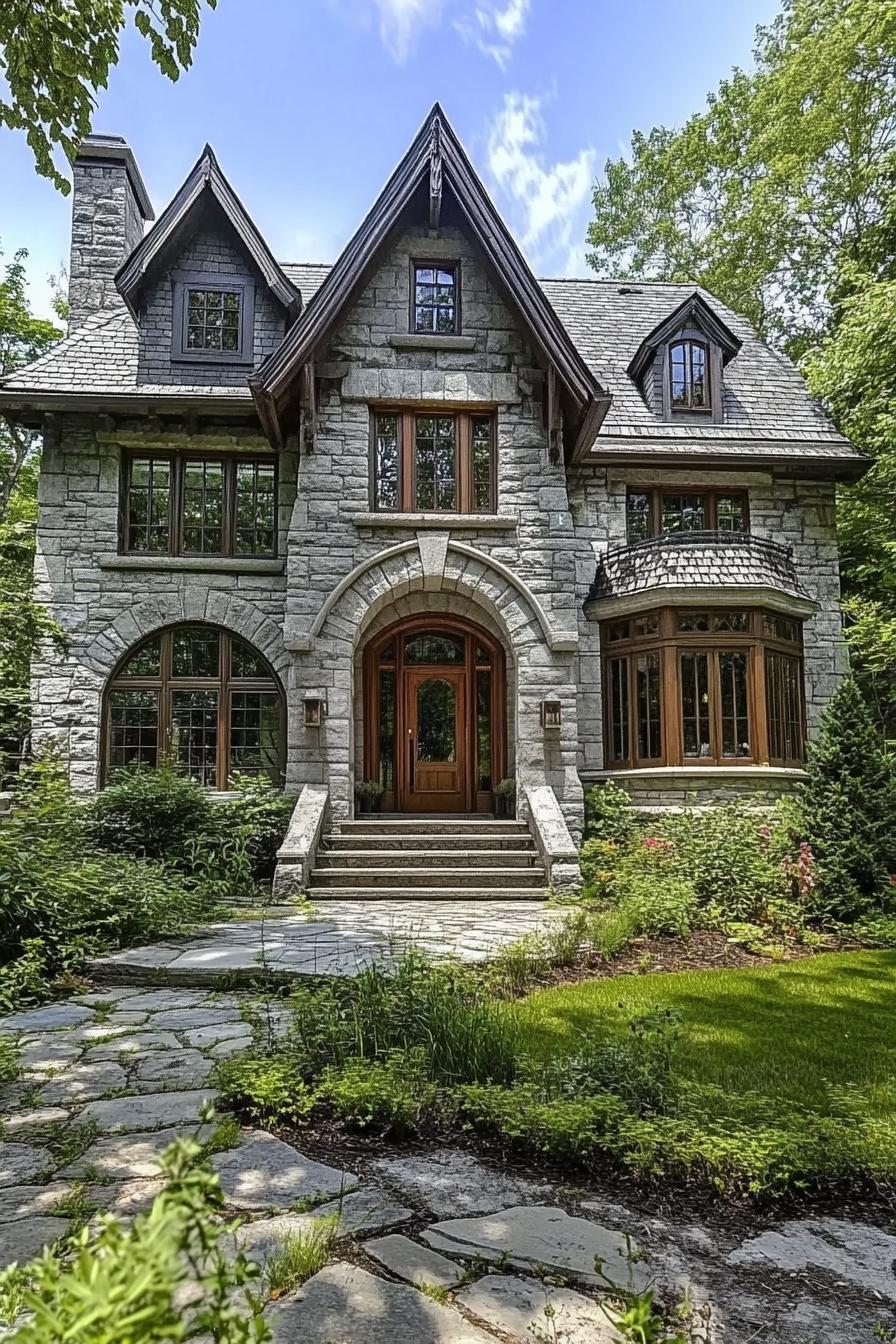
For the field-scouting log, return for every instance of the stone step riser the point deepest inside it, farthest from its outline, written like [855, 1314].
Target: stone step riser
[406, 826]
[419, 841]
[434, 858]
[321, 895]
[393, 879]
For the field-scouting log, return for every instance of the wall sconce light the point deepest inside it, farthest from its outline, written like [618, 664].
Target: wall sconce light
[551, 714]
[314, 711]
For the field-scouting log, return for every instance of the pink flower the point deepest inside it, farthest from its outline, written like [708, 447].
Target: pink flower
[893, 879]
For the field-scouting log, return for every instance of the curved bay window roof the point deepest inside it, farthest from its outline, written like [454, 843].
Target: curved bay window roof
[199, 698]
[703, 687]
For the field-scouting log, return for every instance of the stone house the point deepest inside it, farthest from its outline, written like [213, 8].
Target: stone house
[418, 517]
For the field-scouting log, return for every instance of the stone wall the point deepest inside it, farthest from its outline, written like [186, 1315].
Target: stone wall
[107, 224]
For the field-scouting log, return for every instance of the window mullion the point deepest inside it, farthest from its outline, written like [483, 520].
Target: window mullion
[228, 508]
[715, 705]
[463, 440]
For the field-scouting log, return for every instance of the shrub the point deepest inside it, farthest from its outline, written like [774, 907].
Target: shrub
[152, 813]
[658, 906]
[599, 860]
[390, 1095]
[128, 1283]
[609, 814]
[849, 809]
[265, 1090]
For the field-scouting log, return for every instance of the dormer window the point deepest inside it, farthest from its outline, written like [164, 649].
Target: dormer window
[213, 318]
[688, 381]
[435, 301]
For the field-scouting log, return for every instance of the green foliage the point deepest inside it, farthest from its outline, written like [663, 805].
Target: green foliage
[609, 814]
[784, 176]
[390, 1095]
[849, 808]
[266, 1089]
[9, 1059]
[151, 814]
[126, 1283]
[56, 59]
[299, 1256]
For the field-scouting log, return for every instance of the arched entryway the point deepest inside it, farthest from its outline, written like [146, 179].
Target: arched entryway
[435, 715]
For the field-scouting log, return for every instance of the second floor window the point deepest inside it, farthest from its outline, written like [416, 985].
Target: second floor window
[432, 463]
[213, 318]
[199, 506]
[434, 305]
[688, 376]
[657, 513]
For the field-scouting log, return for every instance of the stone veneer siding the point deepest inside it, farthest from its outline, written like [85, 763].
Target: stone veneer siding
[107, 224]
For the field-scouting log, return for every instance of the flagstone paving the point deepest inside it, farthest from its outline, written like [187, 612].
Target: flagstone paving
[432, 1246]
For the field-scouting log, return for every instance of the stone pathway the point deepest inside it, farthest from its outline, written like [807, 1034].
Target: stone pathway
[335, 938]
[432, 1247]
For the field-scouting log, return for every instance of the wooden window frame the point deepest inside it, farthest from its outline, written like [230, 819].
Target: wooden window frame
[407, 473]
[177, 462]
[445, 264]
[711, 495]
[689, 408]
[671, 643]
[183, 282]
[166, 684]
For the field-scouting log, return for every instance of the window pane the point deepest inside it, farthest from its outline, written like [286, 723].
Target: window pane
[678, 375]
[149, 505]
[783, 686]
[436, 721]
[731, 514]
[619, 709]
[646, 625]
[194, 652]
[694, 622]
[650, 736]
[684, 513]
[434, 649]
[695, 705]
[133, 729]
[255, 734]
[387, 728]
[146, 661]
[436, 463]
[203, 508]
[481, 432]
[245, 662]
[484, 731]
[698, 375]
[637, 524]
[733, 690]
[213, 319]
[780, 627]
[435, 291]
[618, 630]
[731, 622]
[386, 465]
[194, 734]
[255, 507]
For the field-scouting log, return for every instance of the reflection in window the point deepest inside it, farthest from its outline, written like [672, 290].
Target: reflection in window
[436, 721]
[149, 505]
[434, 648]
[201, 698]
[435, 464]
[650, 728]
[684, 513]
[695, 705]
[662, 511]
[435, 299]
[431, 463]
[733, 694]
[200, 506]
[619, 708]
[784, 698]
[687, 372]
[638, 520]
[203, 508]
[482, 463]
[484, 730]
[213, 319]
[255, 510]
[386, 463]
[387, 728]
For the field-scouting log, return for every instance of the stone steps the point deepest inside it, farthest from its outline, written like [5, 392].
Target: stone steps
[407, 876]
[425, 858]
[366, 842]
[454, 893]
[407, 825]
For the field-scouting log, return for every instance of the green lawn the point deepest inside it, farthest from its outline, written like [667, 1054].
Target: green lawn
[783, 1031]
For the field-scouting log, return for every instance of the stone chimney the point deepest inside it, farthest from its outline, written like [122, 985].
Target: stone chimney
[110, 207]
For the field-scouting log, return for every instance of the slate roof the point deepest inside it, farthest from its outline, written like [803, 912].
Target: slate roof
[697, 559]
[768, 411]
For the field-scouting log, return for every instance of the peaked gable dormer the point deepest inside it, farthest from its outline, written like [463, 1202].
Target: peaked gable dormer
[679, 366]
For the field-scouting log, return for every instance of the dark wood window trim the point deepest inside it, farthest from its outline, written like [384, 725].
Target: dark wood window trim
[689, 344]
[164, 685]
[449, 265]
[464, 432]
[182, 283]
[710, 494]
[176, 463]
[658, 632]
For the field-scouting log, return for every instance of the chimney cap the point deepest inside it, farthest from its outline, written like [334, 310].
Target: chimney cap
[98, 148]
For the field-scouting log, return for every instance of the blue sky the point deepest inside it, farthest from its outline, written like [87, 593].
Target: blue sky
[310, 103]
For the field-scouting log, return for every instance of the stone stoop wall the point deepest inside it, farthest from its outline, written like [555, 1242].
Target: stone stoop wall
[105, 611]
[328, 541]
[800, 514]
[653, 794]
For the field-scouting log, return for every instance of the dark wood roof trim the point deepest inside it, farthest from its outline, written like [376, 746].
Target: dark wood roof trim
[205, 176]
[694, 310]
[272, 381]
[819, 465]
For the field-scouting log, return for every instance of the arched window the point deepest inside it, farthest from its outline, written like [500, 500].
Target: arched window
[201, 698]
[689, 376]
[703, 687]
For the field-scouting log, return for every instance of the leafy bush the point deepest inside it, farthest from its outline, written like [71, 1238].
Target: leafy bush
[127, 1283]
[609, 814]
[150, 813]
[599, 860]
[265, 1089]
[849, 809]
[389, 1094]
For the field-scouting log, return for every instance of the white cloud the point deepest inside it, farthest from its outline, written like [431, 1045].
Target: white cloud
[492, 26]
[547, 202]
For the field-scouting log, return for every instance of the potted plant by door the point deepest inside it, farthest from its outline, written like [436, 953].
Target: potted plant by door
[504, 794]
[368, 793]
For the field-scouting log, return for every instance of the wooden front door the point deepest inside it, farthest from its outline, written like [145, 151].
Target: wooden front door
[435, 714]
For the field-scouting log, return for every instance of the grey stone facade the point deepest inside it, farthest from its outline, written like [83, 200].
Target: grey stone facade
[529, 574]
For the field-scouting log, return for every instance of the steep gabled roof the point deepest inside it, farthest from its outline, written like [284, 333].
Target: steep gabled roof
[205, 181]
[693, 312]
[437, 158]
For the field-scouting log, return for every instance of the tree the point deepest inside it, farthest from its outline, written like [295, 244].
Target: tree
[784, 178]
[849, 807]
[56, 54]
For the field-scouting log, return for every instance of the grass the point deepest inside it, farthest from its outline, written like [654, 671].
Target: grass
[299, 1256]
[792, 1032]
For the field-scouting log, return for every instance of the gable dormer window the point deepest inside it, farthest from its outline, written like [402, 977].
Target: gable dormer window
[213, 318]
[688, 376]
[435, 302]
